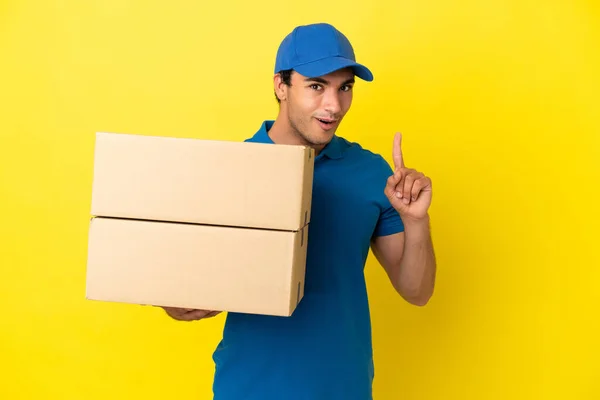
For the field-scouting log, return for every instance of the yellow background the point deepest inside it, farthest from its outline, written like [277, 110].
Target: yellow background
[498, 103]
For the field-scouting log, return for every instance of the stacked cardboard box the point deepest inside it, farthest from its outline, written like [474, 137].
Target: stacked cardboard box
[204, 224]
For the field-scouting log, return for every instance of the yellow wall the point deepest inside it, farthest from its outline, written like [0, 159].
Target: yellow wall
[498, 103]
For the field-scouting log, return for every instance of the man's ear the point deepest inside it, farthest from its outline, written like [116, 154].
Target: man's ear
[280, 87]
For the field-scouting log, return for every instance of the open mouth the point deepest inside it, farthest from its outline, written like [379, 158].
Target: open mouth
[326, 123]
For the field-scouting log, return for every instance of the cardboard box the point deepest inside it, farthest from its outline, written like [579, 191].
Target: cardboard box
[202, 181]
[196, 266]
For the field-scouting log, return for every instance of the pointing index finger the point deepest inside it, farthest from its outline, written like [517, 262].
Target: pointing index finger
[397, 151]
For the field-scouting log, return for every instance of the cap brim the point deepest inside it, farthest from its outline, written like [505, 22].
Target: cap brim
[332, 64]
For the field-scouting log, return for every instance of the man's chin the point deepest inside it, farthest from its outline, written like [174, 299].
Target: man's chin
[321, 138]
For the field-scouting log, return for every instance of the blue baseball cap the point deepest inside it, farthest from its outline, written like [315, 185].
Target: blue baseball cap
[316, 50]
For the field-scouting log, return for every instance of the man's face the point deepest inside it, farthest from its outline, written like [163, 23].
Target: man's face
[316, 105]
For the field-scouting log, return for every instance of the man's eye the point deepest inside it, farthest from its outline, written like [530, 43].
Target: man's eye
[315, 86]
[346, 88]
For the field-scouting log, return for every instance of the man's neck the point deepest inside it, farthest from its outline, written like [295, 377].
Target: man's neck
[282, 133]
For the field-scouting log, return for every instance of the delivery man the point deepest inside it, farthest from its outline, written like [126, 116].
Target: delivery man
[324, 350]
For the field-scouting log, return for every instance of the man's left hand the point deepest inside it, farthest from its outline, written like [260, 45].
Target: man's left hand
[408, 190]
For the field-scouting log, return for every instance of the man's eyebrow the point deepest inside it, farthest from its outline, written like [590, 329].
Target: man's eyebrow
[325, 82]
[317, 79]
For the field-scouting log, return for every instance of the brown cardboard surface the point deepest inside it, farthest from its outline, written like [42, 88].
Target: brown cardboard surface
[202, 181]
[196, 266]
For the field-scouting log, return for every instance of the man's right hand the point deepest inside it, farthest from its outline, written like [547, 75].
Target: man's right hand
[189, 314]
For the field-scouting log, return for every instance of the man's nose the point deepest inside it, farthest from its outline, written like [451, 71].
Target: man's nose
[331, 102]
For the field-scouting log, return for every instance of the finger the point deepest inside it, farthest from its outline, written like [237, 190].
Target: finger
[400, 185]
[171, 311]
[190, 315]
[197, 314]
[418, 187]
[212, 314]
[175, 309]
[178, 314]
[397, 151]
[407, 187]
[182, 314]
[392, 183]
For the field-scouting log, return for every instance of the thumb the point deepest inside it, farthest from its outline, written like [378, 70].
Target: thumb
[392, 182]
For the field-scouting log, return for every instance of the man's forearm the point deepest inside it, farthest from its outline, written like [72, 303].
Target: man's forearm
[418, 265]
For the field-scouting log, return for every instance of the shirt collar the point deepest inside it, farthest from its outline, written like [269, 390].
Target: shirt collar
[262, 135]
[333, 149]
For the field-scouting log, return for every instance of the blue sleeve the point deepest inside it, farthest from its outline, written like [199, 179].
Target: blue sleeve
[389, 220]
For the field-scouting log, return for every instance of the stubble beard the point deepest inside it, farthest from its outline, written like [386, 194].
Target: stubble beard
[302, 135]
